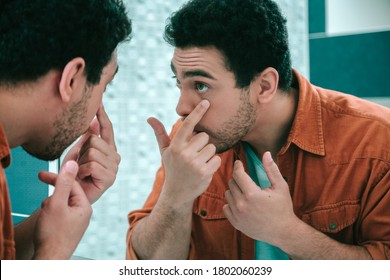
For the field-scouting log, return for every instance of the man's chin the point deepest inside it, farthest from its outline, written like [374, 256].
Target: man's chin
[44, 155]
[222, 147]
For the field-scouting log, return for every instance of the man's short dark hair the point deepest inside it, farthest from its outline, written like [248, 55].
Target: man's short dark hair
[37, 36]
[250, 34]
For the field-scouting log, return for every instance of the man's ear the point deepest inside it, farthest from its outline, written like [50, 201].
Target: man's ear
[265, 85]
[72, 78]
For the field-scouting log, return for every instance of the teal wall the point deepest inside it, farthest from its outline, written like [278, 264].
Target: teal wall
[26, 191]
[316, 16]
[356, 64]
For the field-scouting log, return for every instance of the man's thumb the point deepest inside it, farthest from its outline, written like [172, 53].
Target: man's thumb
[162, 137]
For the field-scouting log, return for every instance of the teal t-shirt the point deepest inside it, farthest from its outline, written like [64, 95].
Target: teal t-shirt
[263, 250]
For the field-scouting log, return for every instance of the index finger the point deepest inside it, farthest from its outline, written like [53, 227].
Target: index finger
[272, 170]
[242, 179]
[191, 120]
[65, 181]
[106, 129]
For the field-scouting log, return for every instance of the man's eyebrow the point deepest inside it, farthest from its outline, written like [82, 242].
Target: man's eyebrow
[193, 73]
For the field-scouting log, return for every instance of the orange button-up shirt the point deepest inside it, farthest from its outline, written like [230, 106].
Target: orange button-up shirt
[336, 161]
[7, 244]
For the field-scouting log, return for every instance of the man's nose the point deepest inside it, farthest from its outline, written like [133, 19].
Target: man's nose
[187, 103]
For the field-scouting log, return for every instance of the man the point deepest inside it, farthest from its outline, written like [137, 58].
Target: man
[56, 58]
[241, 104]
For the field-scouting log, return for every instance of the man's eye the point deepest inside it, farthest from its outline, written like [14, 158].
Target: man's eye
[201, 87]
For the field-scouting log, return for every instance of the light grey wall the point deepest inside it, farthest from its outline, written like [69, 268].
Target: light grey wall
[357, 16]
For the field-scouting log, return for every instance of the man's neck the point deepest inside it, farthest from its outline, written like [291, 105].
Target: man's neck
[276, 124]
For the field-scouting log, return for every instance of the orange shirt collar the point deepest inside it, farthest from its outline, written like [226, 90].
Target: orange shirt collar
[5, 157]
[307, 131]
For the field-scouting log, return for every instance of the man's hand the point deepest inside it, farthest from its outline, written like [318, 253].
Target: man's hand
[96, 156]
[261, 214]
[63, 218]
[189, 160]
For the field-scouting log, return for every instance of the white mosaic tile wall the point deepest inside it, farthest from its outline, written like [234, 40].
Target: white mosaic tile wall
[143, 87]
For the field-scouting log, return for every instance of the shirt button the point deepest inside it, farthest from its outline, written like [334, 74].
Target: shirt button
[203, 213]
[332, 226]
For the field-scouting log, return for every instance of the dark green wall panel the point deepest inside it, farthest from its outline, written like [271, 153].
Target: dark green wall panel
[355, 64]
[316, 16]
[26, 191]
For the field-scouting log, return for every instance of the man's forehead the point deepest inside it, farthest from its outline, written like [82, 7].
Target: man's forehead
[196, 57]
[195, 52]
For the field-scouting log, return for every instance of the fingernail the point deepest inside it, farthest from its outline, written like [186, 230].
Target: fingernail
[205, 103]
[71, 167]
[268, 157]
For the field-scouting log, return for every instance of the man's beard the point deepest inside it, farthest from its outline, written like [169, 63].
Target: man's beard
[234, 129]
[68, 128]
